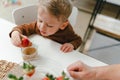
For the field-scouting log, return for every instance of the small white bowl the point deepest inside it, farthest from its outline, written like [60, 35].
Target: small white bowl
[29, 53]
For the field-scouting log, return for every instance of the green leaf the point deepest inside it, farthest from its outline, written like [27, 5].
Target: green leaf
[24, 65]
[63, 74]
[11, 76]
[66, 79]
[50, 76]
[28, 66]
[21, 78]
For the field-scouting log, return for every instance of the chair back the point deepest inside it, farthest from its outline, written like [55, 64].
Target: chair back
[28, 14]
[73, 17]
[25, 14]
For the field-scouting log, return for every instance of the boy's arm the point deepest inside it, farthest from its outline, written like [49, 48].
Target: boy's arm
[72, 37]
[26, 29]
[76, 42]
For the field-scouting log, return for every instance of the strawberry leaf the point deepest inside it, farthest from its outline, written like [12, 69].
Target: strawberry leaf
[21, 78]
[11, 76]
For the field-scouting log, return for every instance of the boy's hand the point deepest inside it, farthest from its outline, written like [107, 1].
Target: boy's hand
[16, 38]
[67, 47]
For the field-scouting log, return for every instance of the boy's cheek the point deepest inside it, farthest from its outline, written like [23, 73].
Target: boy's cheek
[38, 24]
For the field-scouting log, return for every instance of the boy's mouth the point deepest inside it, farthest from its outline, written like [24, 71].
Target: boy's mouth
[42, 32]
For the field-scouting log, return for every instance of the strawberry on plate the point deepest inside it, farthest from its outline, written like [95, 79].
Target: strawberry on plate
[30, 73]
[49, 77]
[28, 69]
[62, 77]
[46, 78]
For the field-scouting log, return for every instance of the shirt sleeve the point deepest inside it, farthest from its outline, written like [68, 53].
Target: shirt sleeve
[73, 38]
[76, 42]
[26, 29]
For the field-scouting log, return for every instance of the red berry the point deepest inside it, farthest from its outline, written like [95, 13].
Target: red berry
[30, 73]
[25, 42]
[46, 78]
[60, 78]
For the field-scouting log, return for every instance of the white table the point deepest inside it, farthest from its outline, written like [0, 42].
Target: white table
[115, 2]
[49, 51]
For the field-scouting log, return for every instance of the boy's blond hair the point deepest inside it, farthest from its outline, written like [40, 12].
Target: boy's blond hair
[61, 9]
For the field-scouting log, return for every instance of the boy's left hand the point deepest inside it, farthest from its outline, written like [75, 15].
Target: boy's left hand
[67, 47]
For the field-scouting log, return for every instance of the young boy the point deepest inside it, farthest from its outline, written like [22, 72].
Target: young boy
[52, 23]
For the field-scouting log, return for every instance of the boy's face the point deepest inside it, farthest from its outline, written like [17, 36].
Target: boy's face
[47, 23]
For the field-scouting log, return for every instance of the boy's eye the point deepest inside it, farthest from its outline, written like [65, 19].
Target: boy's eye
[40, 20]
[49, 26]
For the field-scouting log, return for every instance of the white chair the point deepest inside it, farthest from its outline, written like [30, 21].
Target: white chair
[73, 16]
[25, 14]
[28, 14]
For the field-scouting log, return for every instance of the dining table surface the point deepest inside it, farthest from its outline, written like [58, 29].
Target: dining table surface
[49, 53]
[115, 2]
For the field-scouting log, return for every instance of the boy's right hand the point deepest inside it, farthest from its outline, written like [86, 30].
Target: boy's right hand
[16, 38]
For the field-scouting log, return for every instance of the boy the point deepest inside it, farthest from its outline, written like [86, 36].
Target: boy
[52, 23]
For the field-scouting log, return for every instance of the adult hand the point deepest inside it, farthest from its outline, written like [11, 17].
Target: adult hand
[81, 71]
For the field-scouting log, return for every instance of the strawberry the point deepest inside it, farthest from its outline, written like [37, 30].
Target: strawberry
[60, 78]
[46, 78]
[30, 73]
[51, 77]
[25, 42]
[28, 69]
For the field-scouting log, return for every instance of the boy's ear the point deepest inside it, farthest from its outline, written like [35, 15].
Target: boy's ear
[64, 25]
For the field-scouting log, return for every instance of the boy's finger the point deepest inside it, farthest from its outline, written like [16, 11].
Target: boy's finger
[66, 49]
